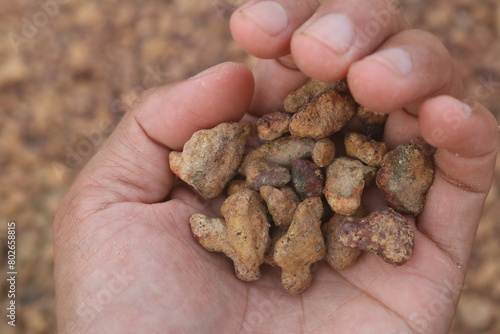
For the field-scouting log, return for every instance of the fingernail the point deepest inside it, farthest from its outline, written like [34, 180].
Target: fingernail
[208, 71]
[335, 31]
[397, 60]
[466, 109]
[270, 16]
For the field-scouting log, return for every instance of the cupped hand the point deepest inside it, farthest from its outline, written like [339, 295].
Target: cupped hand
[125, 259]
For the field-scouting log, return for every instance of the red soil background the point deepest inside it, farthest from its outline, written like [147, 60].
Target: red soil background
[79, 70]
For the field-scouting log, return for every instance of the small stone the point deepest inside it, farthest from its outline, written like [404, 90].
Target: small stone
[385, 232]
[324, 116]
[305, 94]
[301, 246]
[260, 172]
[368, 116]
[323, 152]
[283, 151]
[338, 256]
[281, 203]
[346, 179]
[307, 178]
[361, 147]
[405, 177]
[273, 125]
[235, 186]
[243, 234]
[211, 157]
[275, 233]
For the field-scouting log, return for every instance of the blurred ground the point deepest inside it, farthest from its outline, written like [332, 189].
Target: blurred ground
[66, 83]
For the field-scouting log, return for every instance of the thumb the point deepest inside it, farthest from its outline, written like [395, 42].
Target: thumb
[132, 166]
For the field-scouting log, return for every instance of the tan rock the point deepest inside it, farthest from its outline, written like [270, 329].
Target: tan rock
[338, 256]
[283, 151]
[323, 152]
[242, 235]
[405, 177]
[385, 232]
[211, 157]
[301, 246]
[361, 147]
[273, 125]
[281, 203]
[346, 179]
[324, 116]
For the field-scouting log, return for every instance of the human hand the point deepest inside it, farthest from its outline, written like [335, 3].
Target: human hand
[125, 260]
[409, 74]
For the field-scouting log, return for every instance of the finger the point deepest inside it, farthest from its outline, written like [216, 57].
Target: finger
[407, 69]
[264, 28]
[401, 128]
[340, 33]
[274, 80]
[467, 141]
[133, 165]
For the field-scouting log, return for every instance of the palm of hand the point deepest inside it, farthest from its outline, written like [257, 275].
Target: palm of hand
[180, 287]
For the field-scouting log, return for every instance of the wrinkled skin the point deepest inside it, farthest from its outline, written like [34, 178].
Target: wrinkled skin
[125, 221]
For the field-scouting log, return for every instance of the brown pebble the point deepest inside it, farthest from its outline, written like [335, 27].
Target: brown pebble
[323, 152]
[361, 147]
[345, 180]
[235, 186]
[301, 246]
[368, 116]
[211, 157]
[324, 116]
[247, 231]
[338, 256]
[261, 172]
[275, 233]
[305, 94]
[243, 234]
[282, 151]
[281, 203]
[307, 179]
[385, 232]
[405, 177]
[273, 125]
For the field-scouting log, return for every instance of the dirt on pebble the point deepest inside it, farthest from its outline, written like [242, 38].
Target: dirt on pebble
[66, 80]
